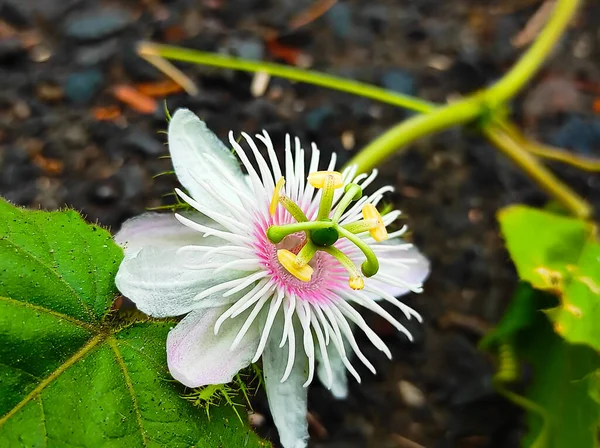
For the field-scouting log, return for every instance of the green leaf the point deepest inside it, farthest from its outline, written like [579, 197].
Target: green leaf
[565, 376]
[561, 255]
[71, 374]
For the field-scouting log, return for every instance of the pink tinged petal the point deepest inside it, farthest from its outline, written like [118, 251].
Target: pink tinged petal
[154, 229]
[197, 357]
[198, 154]
[287, 400]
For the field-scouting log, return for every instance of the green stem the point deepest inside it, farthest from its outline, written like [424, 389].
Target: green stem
[287, 72]
[436, 119]
[538, 172]
[477, 105]
[541, 441]
[528, 65]
[413, 128]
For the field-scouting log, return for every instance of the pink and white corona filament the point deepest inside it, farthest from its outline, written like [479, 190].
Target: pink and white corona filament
[271, 264]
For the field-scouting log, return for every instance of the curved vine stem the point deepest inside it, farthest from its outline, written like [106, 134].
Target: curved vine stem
[150, 49]
[480, 104]
[484, 105]
[540, 174]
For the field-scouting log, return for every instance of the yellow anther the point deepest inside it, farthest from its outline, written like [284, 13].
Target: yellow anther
[288, 261]
[276, 195]
[318, 178]
[379, 232]
[356, 282]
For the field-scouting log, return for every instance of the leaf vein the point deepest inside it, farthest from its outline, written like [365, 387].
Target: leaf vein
[138, 416]
[43, 421]
[31, 306]
[54, 375]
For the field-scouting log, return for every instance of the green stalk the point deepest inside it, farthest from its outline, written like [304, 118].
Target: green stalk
[538, 172]
[149, 49]
[528, 65]
[479, 104]
[414, 128]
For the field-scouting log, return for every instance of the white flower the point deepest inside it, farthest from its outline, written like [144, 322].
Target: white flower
[267, 266]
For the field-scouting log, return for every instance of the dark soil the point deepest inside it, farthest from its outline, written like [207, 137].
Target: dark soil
[60, 59]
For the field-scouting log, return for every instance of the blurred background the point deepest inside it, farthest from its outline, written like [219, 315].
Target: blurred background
[81, 115]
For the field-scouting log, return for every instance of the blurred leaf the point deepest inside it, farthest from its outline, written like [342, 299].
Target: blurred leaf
[561, 255]
[565, 376]
[521, 313]
[70, 373]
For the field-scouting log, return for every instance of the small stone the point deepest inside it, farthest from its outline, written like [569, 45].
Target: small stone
[144, 143]
[90, 55]
[75, 135]
[551, 96]
[50, 92]
[578, 134]
[80, 87]
[11, 13]
[398, 81]
[339, 18]
[315, 118]
[247, 48]
[411, 394]
[10, 48]
[377, 15]
[97, 24]
[32, 11]
[40, 53]
[132, 177]
[21, 110]
[256, 420]
[105, 191]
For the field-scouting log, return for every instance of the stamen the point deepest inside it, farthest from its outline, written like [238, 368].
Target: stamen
[293, 209]
[371, 265]
[318, 179]
[352, 192]
[288, 261]
[370, 212]
[328, 181]
[276, 194]
[361, 226]
[355, 281]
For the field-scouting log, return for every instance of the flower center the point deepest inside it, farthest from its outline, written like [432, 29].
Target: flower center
[322, 233]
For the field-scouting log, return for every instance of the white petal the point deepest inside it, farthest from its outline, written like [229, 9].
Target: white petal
[198, 154]
[339, 381]
[197, 357]
[156, 281]
[407, 265]
[153, 274]
[154, 229]
[287, 400]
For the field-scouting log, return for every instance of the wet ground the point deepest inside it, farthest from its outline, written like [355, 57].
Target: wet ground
[70, 137]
